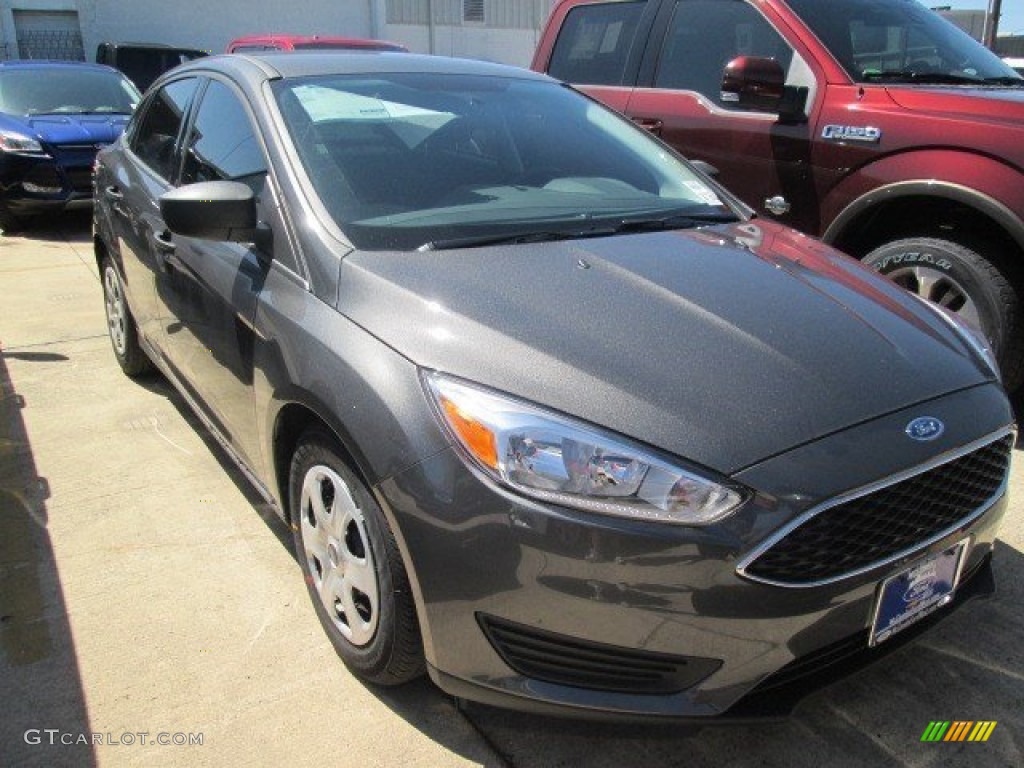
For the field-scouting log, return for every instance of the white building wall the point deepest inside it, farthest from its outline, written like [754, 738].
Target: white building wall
[509, 36]
[204, 24]
[212, 24]
[506, 46]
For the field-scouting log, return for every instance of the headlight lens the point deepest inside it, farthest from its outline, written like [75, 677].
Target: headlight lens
[555, 459]
[18, 143]
[974, 338]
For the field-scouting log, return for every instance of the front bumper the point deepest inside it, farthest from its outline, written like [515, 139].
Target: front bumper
[31, 185]
[590, 587]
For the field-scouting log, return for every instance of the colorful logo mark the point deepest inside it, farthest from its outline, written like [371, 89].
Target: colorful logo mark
[958, 730]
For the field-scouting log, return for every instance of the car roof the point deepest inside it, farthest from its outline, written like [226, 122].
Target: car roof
[273, 65]
[53, 64]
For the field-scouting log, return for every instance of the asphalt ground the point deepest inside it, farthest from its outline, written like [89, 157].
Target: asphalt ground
[148, 595]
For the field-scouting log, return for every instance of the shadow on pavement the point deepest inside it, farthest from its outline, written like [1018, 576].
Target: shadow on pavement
[66, 227]
[40, 684]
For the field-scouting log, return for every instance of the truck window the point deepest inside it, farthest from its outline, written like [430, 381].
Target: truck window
[594, 43]
[705, 35]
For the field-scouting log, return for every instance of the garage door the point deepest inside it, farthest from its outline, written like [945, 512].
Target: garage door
[49, 35]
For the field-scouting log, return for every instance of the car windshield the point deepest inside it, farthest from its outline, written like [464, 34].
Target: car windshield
[406, 161]
[67, 90]
[901, 40]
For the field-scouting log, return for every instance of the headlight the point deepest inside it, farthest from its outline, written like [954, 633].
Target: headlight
[19, 144]
[556, 459]
[974, 338]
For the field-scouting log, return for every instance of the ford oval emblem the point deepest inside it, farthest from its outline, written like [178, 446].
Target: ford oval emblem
[925, 428]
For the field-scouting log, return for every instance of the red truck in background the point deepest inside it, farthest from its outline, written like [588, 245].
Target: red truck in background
[876, 125]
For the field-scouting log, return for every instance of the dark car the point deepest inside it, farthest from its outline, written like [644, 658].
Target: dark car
[54, 116]
[877, 125]
[551, 415]
[143, 63]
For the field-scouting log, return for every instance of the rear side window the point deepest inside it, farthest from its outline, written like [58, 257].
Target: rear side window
[705, 35]
[154, 139]
[594, 43]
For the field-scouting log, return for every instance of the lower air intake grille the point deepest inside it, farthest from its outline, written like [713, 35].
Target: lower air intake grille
[565, 660]
[873, 528]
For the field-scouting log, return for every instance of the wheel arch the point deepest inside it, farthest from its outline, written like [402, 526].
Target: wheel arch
[293, 419]
[894, 210]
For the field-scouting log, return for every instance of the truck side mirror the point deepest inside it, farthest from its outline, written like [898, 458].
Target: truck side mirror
[759, 85]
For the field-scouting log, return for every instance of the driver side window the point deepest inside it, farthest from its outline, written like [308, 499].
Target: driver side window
[222, 145]
[705, 35]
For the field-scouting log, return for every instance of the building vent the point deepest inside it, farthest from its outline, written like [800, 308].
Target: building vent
[473, 11]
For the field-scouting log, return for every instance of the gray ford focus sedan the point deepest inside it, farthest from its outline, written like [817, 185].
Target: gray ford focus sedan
[552, 417]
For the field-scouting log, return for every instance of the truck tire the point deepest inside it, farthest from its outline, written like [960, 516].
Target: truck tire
[960, 279]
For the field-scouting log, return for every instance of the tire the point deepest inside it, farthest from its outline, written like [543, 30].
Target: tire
[124, 334]
[9, 223]
[352, 566]
[961, 279]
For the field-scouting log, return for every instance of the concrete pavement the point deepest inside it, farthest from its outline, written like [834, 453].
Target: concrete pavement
[145, 589]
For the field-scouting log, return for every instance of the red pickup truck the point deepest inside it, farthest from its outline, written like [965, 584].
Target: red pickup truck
[874, 124]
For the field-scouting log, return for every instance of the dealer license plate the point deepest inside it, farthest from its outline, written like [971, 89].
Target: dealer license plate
[912, 594]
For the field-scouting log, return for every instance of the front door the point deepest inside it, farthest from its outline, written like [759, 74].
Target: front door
[209, 290]
[757, 158]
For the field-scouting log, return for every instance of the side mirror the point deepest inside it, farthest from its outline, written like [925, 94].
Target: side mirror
[211, 210]
[759, 85]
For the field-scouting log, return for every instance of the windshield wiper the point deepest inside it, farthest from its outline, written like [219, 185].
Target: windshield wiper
[910, 76]
[517, 238]
[1003, 80]
[604, 228]
[674, 221]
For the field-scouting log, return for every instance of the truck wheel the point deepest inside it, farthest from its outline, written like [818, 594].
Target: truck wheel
[965, 282]
[352, 566]
[124, 335]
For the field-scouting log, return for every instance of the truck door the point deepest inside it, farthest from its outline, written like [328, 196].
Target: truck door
[764, 162]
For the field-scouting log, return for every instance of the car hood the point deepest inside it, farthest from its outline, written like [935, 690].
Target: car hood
[995, 103]
[723, 346]
[69, 128]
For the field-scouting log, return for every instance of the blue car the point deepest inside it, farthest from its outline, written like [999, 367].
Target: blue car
[54, 116]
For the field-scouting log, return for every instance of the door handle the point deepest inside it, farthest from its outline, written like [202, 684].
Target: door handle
[650, 124]
[114, 193]
[163, 242]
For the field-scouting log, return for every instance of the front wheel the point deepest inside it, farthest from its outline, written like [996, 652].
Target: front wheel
[353, 568]
[965, 282]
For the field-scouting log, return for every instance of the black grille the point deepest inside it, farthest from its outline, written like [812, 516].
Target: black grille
[569, 661]
[867, 530]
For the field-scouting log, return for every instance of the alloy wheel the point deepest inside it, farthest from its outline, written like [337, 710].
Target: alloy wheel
[940, 288]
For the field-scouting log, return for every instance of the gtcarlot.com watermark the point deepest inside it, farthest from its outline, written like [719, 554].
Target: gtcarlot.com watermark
[55, 737]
